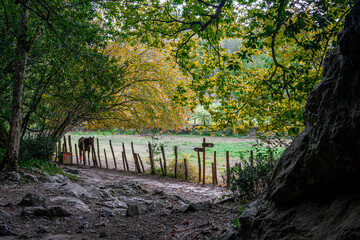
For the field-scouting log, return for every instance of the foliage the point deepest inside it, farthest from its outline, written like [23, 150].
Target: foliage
[251, 180]
[262, 79]
[192, 171]
[40, 148]
[48, 167]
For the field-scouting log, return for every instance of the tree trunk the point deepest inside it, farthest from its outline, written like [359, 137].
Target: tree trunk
[23, 49]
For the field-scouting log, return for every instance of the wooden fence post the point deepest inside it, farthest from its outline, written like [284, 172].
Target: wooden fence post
[65, 147]
[112, 151]
[161, 166]
[137, 165]
[199, 164]
[212, 173]
[227, 170]
[151, 159]
[176, 160]
[163, 154]
[251, 158]
[106, 161]
[76, 153]
[59, 151]
[215, 170]
[93, 154]
[137, 162]
[127, 164]
[98, 151]
[204, 155]
[142, 165]
[84, 155]
[70, 148]
[186, 169]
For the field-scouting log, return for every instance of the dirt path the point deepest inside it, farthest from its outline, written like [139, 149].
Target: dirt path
[110, 204]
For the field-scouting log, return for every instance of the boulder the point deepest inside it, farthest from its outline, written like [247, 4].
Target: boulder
[325, 158]
[313, 192]
[32, 199]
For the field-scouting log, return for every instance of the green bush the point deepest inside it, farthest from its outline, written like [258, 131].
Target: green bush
[40, 148]
[251, 180]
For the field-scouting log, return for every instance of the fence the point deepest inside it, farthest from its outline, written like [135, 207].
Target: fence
[65, 155]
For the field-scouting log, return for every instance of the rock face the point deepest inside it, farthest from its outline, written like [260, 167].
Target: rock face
[325, 158]
[314, 190]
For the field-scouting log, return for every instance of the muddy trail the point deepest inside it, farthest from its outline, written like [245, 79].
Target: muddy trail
[110, 204]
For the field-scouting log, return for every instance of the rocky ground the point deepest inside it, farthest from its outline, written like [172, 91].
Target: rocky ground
[111, 204]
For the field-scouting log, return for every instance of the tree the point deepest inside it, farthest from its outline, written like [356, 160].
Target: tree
[27, 25]
[266, 82]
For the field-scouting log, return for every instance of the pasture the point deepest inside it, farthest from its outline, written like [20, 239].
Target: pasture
[239, 149]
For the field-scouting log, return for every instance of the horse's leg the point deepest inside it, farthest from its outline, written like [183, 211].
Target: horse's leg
[88, 157]
[80, 152]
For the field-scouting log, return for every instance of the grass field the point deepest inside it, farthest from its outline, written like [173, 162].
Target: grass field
[237, 147]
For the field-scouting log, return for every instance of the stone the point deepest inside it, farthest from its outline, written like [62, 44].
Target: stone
[115, 203]
[229, 234]
[53, 211]
[136, 209]
[103, 235]
[200, 206]
[4, 231]
[57, 178]
[126, 188]
[323, 160]
[33, 199]
[313, 192]
[12, 177]
[75, 204]
[27, 177]
[106, 213]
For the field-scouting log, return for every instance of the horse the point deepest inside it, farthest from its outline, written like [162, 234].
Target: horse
[86, 143]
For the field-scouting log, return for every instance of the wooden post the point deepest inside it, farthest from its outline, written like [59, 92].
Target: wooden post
[59, 151]
[151, 159]
[126, 162]
[106, 161]
[123, 160]
[251, 158]
[70, 148]
[161, 166]
[93, 154]
[76, 153]
[65, 147]
[56, 153]
[112, 151]
[212, 174]
[199, 164]
[98, 151]
[176, 160]
[84, 155]
[137, 165]
[215, 170]
[204, 141]
[186, 169]
[163, 154]
[227, 169]
[142, 165]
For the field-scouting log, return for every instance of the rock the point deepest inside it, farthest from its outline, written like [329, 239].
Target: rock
[313, 192]
[84, 225]
[71, 170]
[29, 177]
[75, 204]
[53, 211]
[201, 206]
[4, 231]
[126, 188]
[156, 206]
[12, 177]
[103, 235]
[57, 178]
[323, 160]
[42, 229]
[106, 213]
[136, 209]
[4, 214]
[229, 234]
[115, 203]
[102, 224]
[33, 199]
[73, 189]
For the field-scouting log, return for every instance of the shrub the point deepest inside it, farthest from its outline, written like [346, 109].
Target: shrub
[40, 148]
[192, 170]
[251, 180]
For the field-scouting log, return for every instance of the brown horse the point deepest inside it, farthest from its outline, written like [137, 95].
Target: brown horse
[86, 143]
